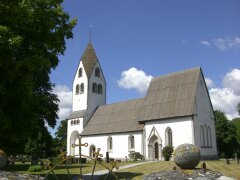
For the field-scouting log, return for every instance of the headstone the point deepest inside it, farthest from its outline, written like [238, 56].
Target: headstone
[3, 158]
[204, 166]
[187, 156]
[227, 161]
[236, 158]
[34, 161]
[107, 157]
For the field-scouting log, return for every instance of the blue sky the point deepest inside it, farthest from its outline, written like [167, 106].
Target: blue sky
[136, 40]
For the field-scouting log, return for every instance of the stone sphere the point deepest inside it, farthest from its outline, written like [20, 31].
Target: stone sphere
[187, 156]
[3, 158]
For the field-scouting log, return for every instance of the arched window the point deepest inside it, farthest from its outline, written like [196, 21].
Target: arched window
[82, 88]
[131, 142]
[206, 135]
[80, 72]
[99, 89]
[202, 136]
[94, 88]
[168, 135]
[97, 72]
[77, 89]
[110, 144]
[209, 137]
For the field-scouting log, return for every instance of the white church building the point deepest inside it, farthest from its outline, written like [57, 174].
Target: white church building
[176, 109]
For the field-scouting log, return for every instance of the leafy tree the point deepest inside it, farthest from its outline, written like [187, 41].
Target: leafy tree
[61, 136]
[167, 152]
[40, 145]
[226, 133]
[238, 108]
[236, 122]
[32, 36]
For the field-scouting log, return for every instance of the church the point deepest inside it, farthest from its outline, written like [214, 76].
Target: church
[176, 109]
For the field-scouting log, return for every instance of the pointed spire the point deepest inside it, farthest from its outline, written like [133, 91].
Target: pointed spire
[89, 59]
[90, 32]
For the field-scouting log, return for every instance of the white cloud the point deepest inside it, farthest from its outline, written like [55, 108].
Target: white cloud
[135, 79]
[209, 82]
[227, 43]
[205, 43]
[227, 97]
[65, 96]
[232, 80]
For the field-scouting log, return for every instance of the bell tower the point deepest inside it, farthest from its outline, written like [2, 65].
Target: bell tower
[89, 85]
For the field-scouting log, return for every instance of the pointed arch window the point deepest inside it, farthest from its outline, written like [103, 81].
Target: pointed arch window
[168, 135]
[131, 142]
[110, 144]
[94, 88]
[206, 135]
[77, 89]
[97, 72]
[80, 72]
[209, 137]
[202, 136]
[82, 88]
[99, 89]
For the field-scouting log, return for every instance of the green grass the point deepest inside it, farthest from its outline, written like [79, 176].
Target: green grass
[135, 173]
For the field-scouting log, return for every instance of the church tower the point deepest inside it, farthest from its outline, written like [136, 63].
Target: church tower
[89, 85]
[89, 92]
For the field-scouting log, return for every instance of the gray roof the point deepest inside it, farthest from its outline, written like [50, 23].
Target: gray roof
[168, 96]
[76, 114]
[115, 118]
[89, 59]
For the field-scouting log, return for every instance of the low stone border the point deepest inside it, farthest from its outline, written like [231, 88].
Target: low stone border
[196, 174]
[14, 175]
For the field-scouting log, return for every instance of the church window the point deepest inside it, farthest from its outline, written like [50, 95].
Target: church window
[75, 122]
[78, 122]
[202, 136]
[206, 136]
[71, 122]
[209, 137]
[168, 135]
[110, 144]
[80, 72]
[97, 72]
[77, 89]
[82, 88]
[132, 145]
[99, 89]
[94, 88]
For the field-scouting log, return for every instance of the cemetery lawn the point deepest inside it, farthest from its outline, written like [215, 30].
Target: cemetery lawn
[137, 172]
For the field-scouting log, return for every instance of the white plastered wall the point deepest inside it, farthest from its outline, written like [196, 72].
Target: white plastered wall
[181, 132]
[204, 116]
[72, 132]
[119, 144]
[79, 101]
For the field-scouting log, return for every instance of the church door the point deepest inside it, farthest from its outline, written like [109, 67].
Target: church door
[156, 149]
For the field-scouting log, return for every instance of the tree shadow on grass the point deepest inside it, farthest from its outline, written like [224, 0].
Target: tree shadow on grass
[120, 175]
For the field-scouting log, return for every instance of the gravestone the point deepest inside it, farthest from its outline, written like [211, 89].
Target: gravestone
[3, 158]
[34, 161]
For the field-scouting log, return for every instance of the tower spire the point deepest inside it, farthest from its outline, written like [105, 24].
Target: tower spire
[90, 32]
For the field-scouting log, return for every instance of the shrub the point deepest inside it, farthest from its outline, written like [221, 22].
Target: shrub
[135, 155]
[35, 169]
[167, 152]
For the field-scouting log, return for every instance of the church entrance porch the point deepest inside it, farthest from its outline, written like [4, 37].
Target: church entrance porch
[74, 151]
[154, 145]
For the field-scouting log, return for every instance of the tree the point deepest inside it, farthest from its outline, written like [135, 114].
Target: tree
[236, 122]
[226, 133]
[32, 36]
[61, 136]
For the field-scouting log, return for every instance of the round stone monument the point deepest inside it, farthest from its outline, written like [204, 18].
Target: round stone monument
[3, 158]
[187, 156]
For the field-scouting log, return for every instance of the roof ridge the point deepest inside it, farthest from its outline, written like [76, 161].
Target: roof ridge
[176, 73]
